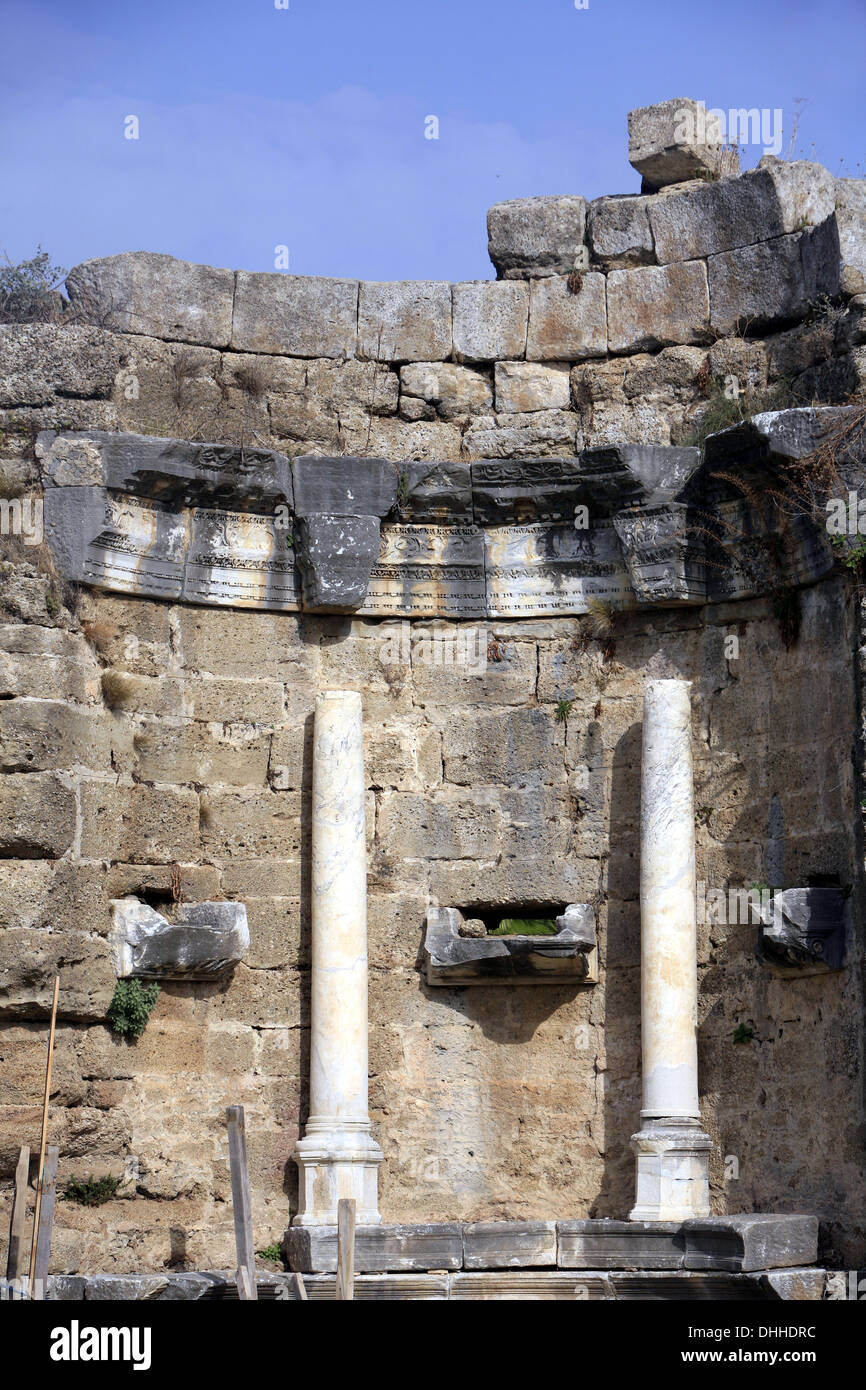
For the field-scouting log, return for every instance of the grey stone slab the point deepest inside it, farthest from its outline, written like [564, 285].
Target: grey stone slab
[379, 1288]
[508, 491]
[426, 572]
[803, 928]
[344, 486]
[531, 1285]
[174, 471]
[595, 1244]
[378, 1249]
[750, 1242]
[630, 475]
[66, 1288]
[404, 320]
[437, 492]
[336, 555]
[536, 235]
[453, 959]
[156, 295]
[797, 1285]
[653, 307]
[851, 222]
[787, 434]
[567, 318]
[162, 1288]
[509, 1244]
[295, 315]
[202, 941]
[490, 320]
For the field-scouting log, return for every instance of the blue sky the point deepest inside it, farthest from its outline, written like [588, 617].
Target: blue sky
[305, 127]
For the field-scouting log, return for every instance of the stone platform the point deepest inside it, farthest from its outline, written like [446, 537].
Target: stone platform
[723, 1244]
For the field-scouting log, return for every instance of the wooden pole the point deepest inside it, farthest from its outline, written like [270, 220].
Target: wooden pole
[345, 1248]
[44, 1126]
[18, 1220]
[246, 1271]
[46, 1218]
[300, 1288]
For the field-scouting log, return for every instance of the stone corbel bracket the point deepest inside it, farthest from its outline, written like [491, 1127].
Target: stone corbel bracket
[339, 504]
[802, 931]
[201, 942]
[569, 957]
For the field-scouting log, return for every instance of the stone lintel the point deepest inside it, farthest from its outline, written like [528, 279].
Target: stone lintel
[750, 1242]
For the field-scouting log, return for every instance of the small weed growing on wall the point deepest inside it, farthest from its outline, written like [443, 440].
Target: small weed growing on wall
[743, 1033]
[702, 814]
[90, 1191]
[131, 1006]
[271, 1252]
[563, 710]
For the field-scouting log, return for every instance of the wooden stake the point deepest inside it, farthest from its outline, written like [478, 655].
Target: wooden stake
[345, 1248]
[300, 1288]
[18, 1220]
[46, 1218]
[44, 1127]
[246, 1271]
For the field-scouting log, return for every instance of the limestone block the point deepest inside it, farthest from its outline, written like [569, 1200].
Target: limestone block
[490, 320]
[528, 386]
[567, 324]
[37, 816]
[618, 231]
[652, 307]
[509, 1244]
[140, 824]
[536, 236]
[773, 282]
[47, 735]
[851, 221]
[297, 315]
[455, 391]
[201, 941]
[776, 198]
[744, 1243]
[165, 751]
[542, 434]
[339, 385]
[38, 361]
[676, 140]
[404, 320]
[517, 747]
[143, 292]
[29, 962]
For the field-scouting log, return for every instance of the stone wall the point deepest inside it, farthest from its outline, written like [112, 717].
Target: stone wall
[137, 734]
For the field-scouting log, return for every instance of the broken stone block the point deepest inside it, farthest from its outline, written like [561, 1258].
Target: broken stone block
[744, 1243]
[451, 958]
[490, 320]
[803, 928]
[508, 491]
[657, 306]
[773, 282]
[144, 292]
[632, 475]
[677, 140]
[41, 360]
[436, 492]
[455, 391]
[619, 232]
[567, 318]
[404, 320]
[343, 486]
[665, 553]
[851, 221]
[536, 236]
[37, 816]
[776, 198]
[528, 386]
[201, 941]
[296, 315]
[336, 555]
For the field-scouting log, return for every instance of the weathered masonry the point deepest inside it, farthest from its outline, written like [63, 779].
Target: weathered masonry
[451, 695]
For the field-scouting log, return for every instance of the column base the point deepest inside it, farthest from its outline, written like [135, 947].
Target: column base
[337, 1162]
[673, 1181]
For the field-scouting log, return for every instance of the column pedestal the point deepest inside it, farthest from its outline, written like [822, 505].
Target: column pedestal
[671, 1147]
[338, 1156]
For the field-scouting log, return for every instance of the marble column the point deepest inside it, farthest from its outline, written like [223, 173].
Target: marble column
[672, 1149]
[338, 1156]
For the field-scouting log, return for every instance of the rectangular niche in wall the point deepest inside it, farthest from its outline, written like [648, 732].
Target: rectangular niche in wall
[459, 950]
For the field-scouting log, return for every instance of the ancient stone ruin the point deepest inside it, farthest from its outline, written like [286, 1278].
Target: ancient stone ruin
[450, 697]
